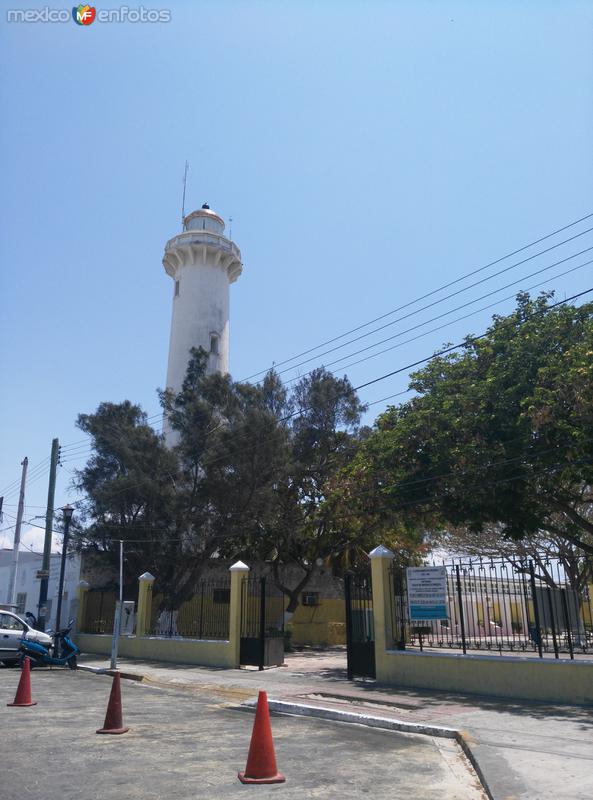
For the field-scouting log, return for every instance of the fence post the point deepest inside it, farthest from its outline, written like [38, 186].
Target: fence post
[82, 594]
[381, 559]
[461, 611]
[552, 622]
[144, 611]
[238, 572]
[567, 618]
[262, 622]
[538, 627]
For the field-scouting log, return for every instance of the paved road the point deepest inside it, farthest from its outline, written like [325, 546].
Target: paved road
[190, 744]
[526, 751]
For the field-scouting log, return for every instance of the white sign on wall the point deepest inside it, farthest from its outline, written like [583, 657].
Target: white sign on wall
[427, 593]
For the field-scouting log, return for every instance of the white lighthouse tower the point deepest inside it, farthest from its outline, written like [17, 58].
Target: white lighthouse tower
[202, 263]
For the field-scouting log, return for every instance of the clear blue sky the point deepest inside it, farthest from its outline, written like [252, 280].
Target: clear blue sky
[367, 152]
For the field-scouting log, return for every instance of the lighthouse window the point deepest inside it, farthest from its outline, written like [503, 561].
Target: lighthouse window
[214, 345]
[176, 288]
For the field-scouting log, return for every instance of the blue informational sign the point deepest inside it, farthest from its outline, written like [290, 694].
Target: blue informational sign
[427, 593]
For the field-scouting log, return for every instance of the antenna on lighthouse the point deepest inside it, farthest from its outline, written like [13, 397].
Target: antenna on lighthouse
[186, 170]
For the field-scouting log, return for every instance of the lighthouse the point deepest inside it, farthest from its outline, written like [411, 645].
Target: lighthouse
[202, 263]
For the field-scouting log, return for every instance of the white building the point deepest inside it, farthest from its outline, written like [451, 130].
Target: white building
[27, 584]
[202, 263]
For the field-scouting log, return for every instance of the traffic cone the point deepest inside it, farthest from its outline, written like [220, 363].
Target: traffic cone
[23, 692]
[261, 760]
[113, 718]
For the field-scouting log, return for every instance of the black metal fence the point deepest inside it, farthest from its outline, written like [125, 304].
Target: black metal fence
[262, 622]
[99, 611]
[205, 616]
[360, 630]
[503, 605]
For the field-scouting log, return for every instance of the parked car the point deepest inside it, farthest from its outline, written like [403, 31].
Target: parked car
[12, 630]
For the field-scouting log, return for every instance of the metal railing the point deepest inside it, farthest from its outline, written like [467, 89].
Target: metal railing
[262, 608]
[501, 605]
[203, 237]
[205, 616]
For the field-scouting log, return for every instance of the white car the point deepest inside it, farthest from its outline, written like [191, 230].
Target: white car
[12, 630]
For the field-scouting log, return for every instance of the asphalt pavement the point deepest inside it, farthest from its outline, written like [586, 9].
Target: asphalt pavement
[190, 740]
[524, 751]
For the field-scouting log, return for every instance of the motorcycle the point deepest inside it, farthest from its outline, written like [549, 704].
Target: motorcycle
[64, 651]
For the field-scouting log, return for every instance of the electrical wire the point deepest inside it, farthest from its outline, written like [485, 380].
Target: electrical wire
[440, 316]
[444, 351]
[437, 302]
[434, 291]
[429, 499]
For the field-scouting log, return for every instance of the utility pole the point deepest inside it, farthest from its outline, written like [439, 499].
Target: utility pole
[49, 519]
[119, 607]
[67, 511]
[10, 597]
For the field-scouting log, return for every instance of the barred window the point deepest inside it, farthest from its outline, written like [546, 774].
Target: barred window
[21, 602]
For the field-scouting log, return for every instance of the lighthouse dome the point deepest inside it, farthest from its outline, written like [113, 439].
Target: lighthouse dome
[204, 219]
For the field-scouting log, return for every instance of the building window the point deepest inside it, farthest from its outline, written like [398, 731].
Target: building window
[214, 344]
[21, 602]
[176, 288]
[310, 598]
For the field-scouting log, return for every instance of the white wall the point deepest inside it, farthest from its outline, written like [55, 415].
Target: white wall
[27, 583]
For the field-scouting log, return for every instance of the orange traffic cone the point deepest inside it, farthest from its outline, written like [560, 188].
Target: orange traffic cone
[261, 760]
[113, 718]
[23, 692]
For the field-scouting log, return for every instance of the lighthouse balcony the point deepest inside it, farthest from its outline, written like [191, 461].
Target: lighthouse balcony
[193, 246]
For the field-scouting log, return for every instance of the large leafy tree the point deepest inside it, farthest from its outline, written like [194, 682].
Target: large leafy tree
[255, 473]
[176, 508]
[499, 434]
[304, 529]
[129, 486]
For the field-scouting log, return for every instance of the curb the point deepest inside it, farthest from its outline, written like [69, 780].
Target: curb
[130, 676]
[353, 717]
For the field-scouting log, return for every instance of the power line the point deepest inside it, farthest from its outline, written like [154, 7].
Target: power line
[448, 297]
[70, 449]
[444, 351]
[429, 499]
[429, 294]
[444, 314]
[454, 347]
[6, 492]
[457, 346]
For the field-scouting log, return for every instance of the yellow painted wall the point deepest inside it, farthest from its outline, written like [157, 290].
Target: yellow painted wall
[324, 624]
[561, 681]
[178, 651]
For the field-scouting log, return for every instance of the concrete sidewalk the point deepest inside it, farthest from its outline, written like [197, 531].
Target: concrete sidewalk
[524, 751]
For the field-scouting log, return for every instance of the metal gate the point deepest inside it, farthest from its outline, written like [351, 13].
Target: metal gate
[360, 631]
[262, 623]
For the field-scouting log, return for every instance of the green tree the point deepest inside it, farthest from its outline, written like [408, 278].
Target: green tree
[129, 490]
[305, 529]
[177, 508]
[498, 434]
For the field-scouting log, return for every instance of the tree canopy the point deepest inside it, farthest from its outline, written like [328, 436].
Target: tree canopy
[252, 475]
[499, 434]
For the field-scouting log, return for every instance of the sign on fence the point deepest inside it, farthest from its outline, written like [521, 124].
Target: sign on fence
[427, 593]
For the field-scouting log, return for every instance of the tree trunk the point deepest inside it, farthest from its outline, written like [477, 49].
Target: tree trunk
[294, 593]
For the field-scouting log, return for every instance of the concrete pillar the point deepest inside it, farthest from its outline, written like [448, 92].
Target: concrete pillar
[238, 572]
[144, 612]
[381, 560]
[81, 596]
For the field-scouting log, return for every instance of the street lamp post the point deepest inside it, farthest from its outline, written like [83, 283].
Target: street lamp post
[67, 511]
